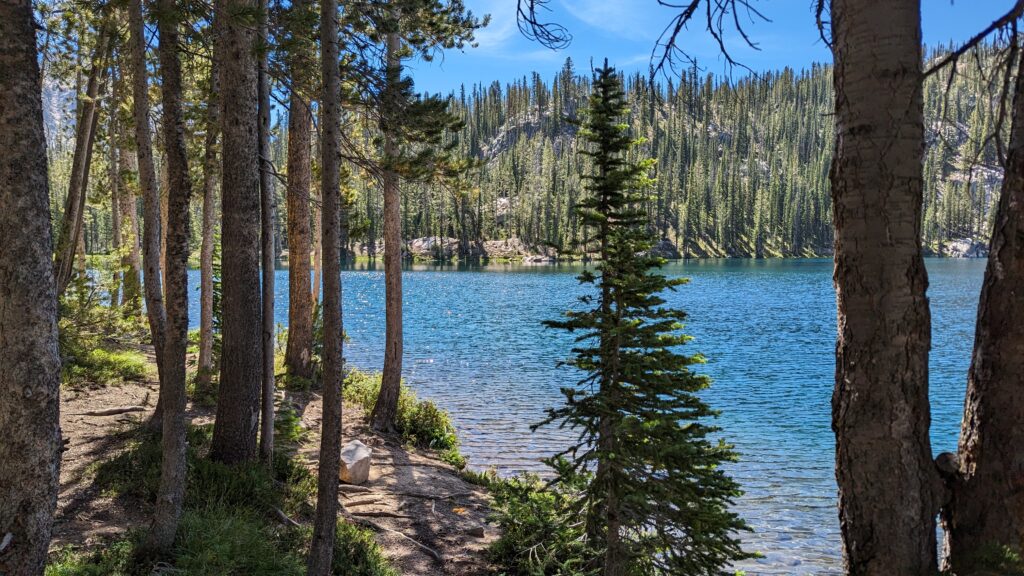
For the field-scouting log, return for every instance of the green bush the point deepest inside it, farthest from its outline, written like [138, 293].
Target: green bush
[421, 423]
[85, 363]
[541, 530]
[357, 554]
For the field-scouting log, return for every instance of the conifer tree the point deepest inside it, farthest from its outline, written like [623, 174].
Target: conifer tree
[657, 502]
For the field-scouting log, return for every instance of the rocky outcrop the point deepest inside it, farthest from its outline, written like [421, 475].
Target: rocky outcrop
[666, 249]
[355, 463]
[965, 248]
[433, 248]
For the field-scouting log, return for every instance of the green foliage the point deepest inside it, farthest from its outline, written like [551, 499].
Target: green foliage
[222, 540]
[541, 532]
[642, 429]
[227, 526]
[98, 344]
[357, 554]
[420, 422]
[113, 559]
[288, 426]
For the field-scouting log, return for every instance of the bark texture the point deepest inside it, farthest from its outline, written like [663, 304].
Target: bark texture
[210, 169]
[238, 399]
[880, 414]
[987, 507]
[384, 411]
[298, 354]
[321, 550]
[152, 277]
[173, 467]
[267, 218]
[131, 293]
[29, 360]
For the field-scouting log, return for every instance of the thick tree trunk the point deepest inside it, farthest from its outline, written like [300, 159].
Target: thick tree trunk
[29, 359]
[70, 236]
[267, 217]
[880, 414]
[238, 400]
[206, 368]
[987, 509]
[173, 469]
[386, 408]
[298, 354]
[151, 233]
[322, 548]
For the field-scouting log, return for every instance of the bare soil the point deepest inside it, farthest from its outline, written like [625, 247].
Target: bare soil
[427, 519]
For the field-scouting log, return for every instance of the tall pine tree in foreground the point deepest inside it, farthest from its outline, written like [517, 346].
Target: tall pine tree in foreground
[657, 502]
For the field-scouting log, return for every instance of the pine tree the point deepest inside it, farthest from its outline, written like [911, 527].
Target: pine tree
[658, 499]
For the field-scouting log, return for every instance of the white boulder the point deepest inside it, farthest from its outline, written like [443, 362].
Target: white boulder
[355, 463]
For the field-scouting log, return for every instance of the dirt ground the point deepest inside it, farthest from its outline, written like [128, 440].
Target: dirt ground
[426, 518]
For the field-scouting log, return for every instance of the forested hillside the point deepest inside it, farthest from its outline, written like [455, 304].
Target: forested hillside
[742, 166]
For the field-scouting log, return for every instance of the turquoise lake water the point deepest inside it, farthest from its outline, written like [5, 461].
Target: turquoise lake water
[475, 345]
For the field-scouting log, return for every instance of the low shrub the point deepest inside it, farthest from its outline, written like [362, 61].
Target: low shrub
[357, 554]
[541, 530]
[420, 422]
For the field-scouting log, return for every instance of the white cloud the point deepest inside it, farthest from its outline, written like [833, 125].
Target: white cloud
[502, 27]
[628, 19]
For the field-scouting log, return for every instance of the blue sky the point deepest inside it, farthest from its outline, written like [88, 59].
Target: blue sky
[625, 31]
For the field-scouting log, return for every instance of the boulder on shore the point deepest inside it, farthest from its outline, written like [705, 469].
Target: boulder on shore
[355, 463]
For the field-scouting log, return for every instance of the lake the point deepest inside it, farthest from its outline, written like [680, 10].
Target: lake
[475, 345]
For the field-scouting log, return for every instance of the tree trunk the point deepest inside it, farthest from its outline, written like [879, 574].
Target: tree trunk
[115, 201]
[267, 238]
[150, 196]
[987, 508]
[206, 368]
[298, 354]
[29, 359]
[238, 399]
[386, 408]
[173, 468]
[131, 293]
[70, 235]
[880, 414]
[317, 235]
[321, 550]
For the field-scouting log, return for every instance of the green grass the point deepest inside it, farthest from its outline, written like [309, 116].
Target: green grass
[85, 366]
[420, 422]
[228, 525]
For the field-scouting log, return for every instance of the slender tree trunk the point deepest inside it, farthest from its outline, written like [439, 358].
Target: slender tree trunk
[386, 408]
[171, 492]
[29, 359]
[165, 180]
[987, 508]
[151, 234]
[131, 294]
[70, 235]
[206, 368]
[238, 400]
[317, 234]
[880, 413]
[322, 548]
[267, 238]
[298, 354]
[115, 202]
